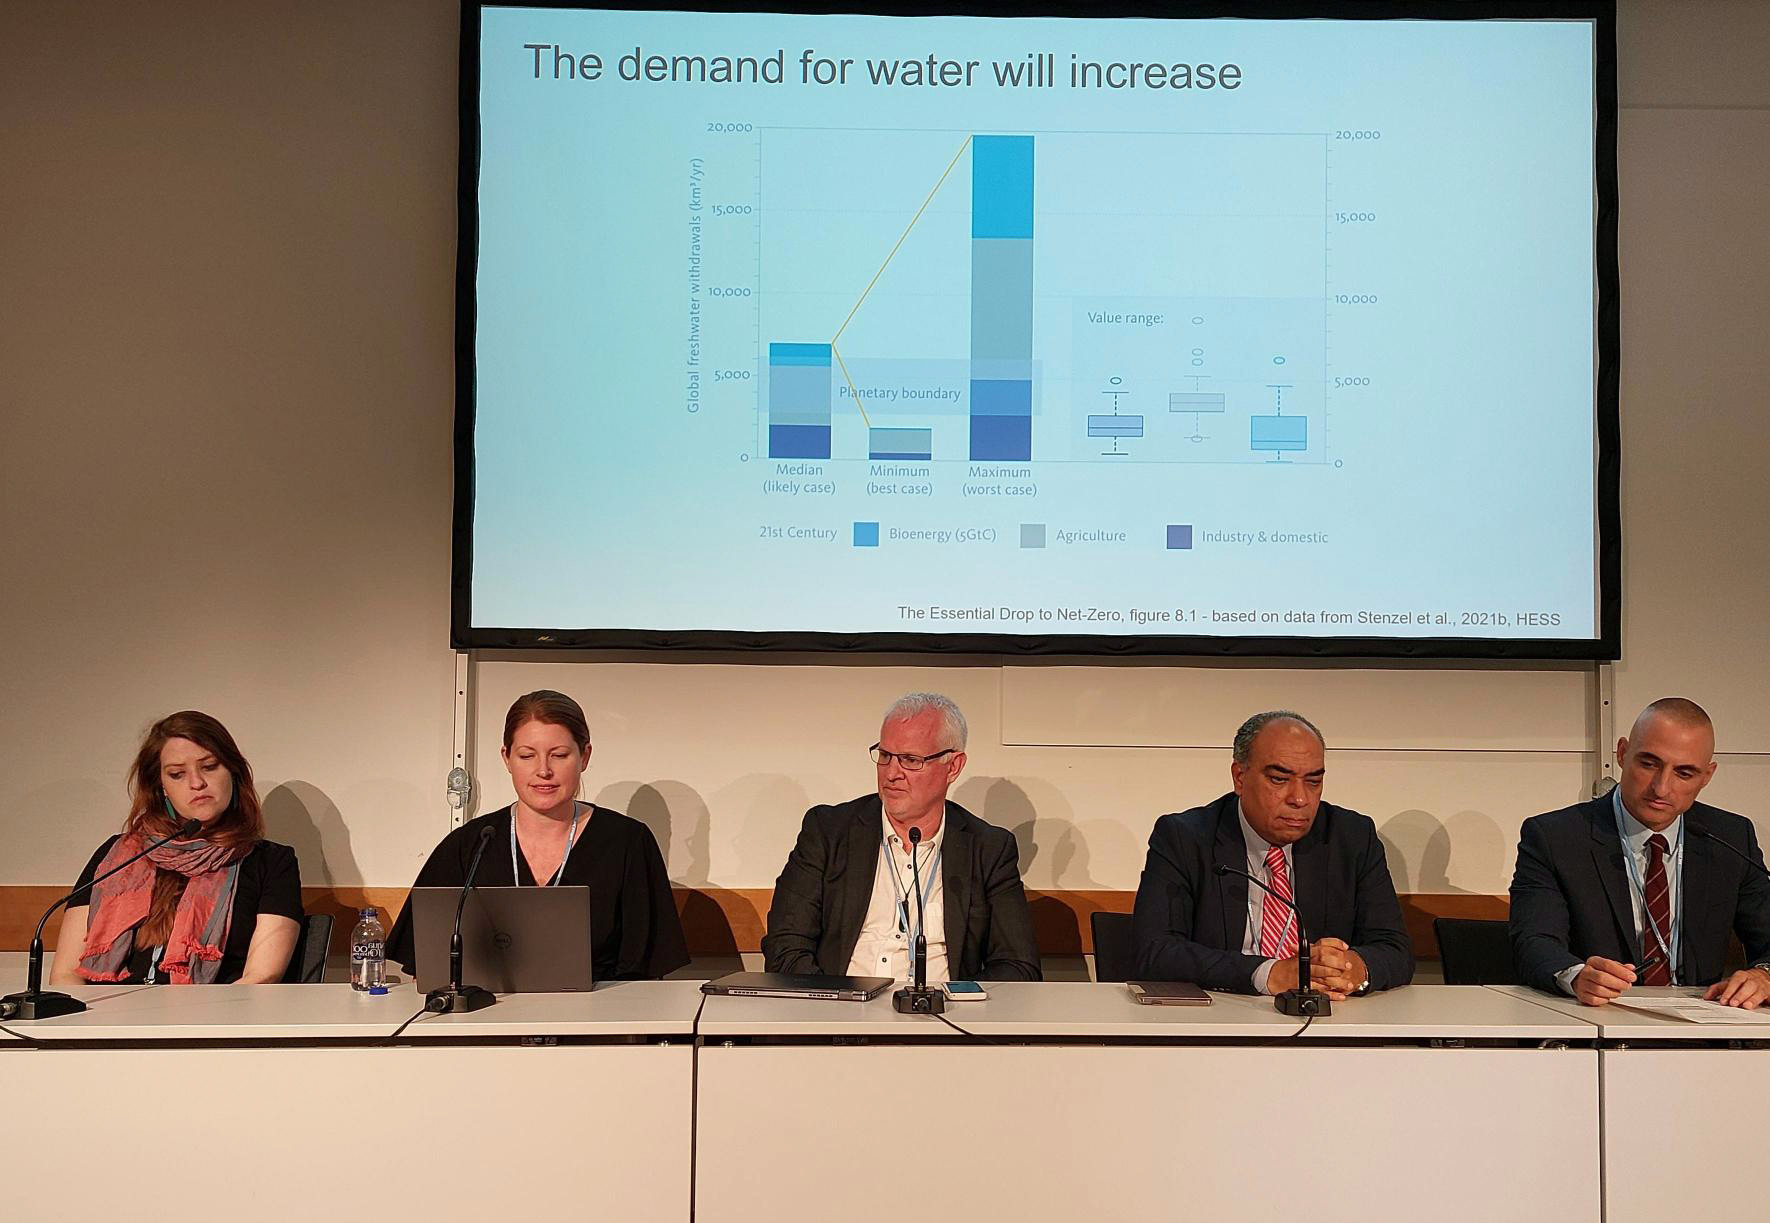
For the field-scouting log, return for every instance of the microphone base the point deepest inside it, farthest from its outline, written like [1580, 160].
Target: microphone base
[44, 1004]
[458, 1002]
[1304, 1003]
[908, 1001]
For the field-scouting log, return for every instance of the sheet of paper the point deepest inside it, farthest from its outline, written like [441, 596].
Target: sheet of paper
[1695, 1010]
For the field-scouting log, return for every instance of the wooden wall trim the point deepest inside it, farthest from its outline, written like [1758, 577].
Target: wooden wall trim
[728, 921]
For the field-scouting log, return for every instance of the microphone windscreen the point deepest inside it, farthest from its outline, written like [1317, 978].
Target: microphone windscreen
[915, 835]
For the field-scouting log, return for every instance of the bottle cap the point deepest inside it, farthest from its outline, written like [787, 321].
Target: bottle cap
[377, 989]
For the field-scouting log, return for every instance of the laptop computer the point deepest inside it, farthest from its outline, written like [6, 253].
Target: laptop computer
[513, 940]
[794, 985]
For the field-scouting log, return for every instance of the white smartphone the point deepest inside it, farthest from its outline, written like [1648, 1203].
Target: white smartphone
[964, 991]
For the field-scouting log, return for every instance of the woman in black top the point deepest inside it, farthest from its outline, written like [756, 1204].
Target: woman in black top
[547, 837]
[219, 907]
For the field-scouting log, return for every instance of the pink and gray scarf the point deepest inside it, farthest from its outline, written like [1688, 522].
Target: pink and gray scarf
[199, 926]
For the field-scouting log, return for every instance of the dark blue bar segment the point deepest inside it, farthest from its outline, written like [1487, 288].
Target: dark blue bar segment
[1001, 439]
[798, 441]
[1001, 186]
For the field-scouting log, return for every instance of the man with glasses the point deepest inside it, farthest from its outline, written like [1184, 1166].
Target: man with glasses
[844, 904]
[1644, 885]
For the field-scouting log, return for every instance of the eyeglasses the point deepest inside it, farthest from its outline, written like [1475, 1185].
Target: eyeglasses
[910, 763]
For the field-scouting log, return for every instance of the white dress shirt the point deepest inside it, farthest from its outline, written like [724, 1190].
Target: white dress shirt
[1258, 900]
[887, 939]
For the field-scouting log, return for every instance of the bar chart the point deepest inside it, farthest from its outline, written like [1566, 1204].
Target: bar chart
[937, 296]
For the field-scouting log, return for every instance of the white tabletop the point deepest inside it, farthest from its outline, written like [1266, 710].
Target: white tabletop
[1085, 1009]
[1618, 1022]
[337, 1012]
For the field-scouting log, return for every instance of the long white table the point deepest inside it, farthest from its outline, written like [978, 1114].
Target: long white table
[1465, 1102]
[1067, 1099]
[1684, 1110]
[283, 1102]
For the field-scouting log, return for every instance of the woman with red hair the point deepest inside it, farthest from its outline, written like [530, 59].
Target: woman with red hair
[221, 906]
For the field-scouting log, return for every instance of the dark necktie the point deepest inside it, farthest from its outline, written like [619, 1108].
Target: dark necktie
[1659, 913]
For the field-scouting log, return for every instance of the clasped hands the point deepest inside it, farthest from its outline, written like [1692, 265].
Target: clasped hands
[1602, 981]
[1334, 969]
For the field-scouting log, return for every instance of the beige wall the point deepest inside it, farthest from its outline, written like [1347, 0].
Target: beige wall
[226, 354]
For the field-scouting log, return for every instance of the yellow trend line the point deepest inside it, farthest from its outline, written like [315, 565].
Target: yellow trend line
[836, 353]
[906, 233]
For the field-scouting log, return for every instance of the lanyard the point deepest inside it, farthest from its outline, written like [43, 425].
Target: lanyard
[570, 840]
[932, 873]
[1674, 945]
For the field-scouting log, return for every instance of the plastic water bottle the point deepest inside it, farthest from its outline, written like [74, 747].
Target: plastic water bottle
[368, 953]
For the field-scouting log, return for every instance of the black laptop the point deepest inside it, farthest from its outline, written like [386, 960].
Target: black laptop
[793, 985]
[513, 940]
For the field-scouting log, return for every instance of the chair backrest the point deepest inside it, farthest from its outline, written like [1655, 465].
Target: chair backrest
[307, 966]
[1115, 957]
[1475, 952]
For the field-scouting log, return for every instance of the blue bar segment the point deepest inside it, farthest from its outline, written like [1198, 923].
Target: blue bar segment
[1001, 298]
[798, 354]
[1001, 186]
[798, 401]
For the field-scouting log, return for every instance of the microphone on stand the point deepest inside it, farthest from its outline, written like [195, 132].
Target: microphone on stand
[918, 999]
[1731, 848]
[1303, 1001]
[458, 997]
[32, 1002]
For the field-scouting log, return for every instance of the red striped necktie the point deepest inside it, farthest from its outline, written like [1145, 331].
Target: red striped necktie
[1278, 932]
[1659, 915]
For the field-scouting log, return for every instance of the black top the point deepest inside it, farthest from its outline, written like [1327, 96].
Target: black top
[634, 929]
[270, 882]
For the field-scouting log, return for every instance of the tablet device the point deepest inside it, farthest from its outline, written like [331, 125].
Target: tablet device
[794, 985]
[1168, 993]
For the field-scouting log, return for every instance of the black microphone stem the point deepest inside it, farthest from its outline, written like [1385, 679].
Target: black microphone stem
[458, 997]
[920, 975]
[1733, 849]
[1303, 1000]
[34, 973]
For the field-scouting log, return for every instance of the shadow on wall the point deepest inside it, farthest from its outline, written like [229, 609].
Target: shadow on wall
[301, 816]
[677, 816]
[1419, 848]
[1056, 850]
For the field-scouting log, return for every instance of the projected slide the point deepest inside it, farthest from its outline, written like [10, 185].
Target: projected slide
[859, 324]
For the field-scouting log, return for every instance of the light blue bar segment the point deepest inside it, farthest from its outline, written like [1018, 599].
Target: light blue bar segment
[1001, 299]
[1197, 401]
[900, 443]
[798, 394]
[1278, 432]
[1115, 426]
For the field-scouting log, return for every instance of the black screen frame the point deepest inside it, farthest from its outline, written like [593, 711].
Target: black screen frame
[1606, 646]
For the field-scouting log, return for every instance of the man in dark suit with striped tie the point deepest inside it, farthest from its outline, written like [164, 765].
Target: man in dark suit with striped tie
[1644, 885]
[1195, 923]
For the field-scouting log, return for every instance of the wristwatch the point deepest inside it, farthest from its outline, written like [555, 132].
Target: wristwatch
[1364, 986]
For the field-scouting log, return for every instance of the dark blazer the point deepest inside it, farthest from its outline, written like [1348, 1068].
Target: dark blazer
[821, 898]
[1570, 894]
[1189, 921]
